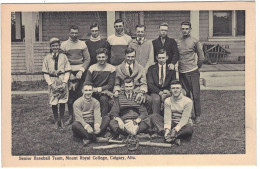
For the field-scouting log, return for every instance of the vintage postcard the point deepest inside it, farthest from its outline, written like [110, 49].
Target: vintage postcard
[128, 84]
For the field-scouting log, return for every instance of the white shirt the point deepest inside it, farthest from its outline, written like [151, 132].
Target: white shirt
[131, 66]
[164, 72]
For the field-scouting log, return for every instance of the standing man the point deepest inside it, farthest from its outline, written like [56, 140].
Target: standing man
[127, 115]
[143, 48]
[78, 56]
[102, 75]
[94, 43]
[191, 59]
[169, 44]
[159, 78]
[177, 123]
[117, 43]
[88, 121]
[130, 68]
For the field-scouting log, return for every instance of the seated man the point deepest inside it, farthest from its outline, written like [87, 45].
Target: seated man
[102, 75]
[131, 68]
[159, 77]
[88, 121]
[177, 121]
[127, 115]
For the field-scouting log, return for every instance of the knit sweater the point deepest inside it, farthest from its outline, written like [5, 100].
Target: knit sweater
[138, 75]
[77, 53]
[117, 45]
[92, 47]
[177, 111]
[191, 52]
[103, 77]
[144, 52]
[87, 112]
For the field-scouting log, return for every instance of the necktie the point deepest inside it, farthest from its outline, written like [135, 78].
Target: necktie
[130, 70]
[161, 79]
[56, 61]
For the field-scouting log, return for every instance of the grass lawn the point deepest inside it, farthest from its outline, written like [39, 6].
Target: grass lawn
[222, 130]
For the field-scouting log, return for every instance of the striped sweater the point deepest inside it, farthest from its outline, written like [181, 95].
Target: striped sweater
[77, 53]
[177, 111]
[87, 112]
[103, 77]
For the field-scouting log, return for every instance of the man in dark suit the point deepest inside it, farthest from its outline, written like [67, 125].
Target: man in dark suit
[169, 44]
[159, 77]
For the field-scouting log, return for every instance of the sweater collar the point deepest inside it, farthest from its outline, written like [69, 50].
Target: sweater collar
[95, 39]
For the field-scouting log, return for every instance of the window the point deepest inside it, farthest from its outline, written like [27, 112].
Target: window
[227, 25]
[17, 29]
[222, 23]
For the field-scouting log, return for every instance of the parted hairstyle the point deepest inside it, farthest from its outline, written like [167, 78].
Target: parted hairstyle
[88, 84]
[163, 24]
[94, 25]
[175, 82]
[129, 50]
[118, 21]
[161, 51]
[140, 26]
[186, 23]
[128, 79]
[101, 50]
[74, 27]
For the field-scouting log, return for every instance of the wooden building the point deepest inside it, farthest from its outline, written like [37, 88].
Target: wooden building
[31, 31]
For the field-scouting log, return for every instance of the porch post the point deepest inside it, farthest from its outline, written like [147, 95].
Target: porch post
[195, 24]
[29, 19]
[111, 17]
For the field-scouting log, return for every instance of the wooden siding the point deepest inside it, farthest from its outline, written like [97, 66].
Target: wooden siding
[152, 19]
[18, 63]
[204, 25]
[41, 49]
[56, 24]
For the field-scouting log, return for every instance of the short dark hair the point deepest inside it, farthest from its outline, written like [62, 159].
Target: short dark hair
[186, 23]
[163, 24]
[118, 21]
[101, 50]
[94, 25]
[74, 27]
[140, 26]
[128, 79]
[161, 51]
[174, 82]
[87, 83]
[129, 50]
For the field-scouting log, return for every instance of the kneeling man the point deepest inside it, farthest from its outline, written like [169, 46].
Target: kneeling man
[88, 121]
[127, 115]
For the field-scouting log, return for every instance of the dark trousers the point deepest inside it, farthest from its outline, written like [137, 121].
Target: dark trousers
[105, 103]
[79, 131]
[115, 130]
[191, 83]
[158, 121]
[148, 103]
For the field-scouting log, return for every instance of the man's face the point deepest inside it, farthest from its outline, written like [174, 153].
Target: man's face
[130, 58]
[55, 47]
[119, 27]
[74, 34]
[94, 32]
[162, 58]
[140, 32]
[185, 29]
[101, 58]
[176, 90]
[163, 31]
[129, 87]
[87, 91]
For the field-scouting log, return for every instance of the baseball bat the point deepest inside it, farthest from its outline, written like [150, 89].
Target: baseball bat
[109, 146]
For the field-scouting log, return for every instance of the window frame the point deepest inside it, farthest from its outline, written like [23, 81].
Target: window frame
[233, 37]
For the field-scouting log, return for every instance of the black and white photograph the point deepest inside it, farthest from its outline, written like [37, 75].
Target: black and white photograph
[116, 84]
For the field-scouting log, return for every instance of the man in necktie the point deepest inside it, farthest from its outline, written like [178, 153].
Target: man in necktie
[143, 48]
[127, 115]
[159, 77]
[130, 67]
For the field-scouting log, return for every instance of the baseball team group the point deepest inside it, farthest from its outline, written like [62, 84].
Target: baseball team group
[125, 85]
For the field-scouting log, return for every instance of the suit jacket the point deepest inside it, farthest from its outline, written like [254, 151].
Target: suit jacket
[138, 75]
[170, 46]
[153, 79]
